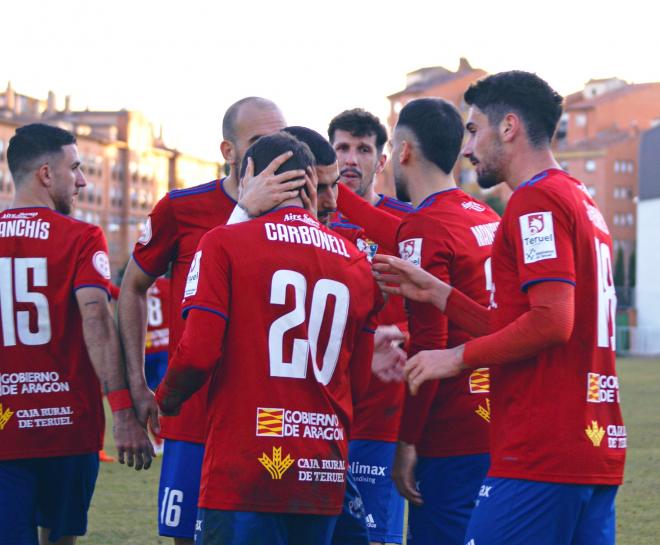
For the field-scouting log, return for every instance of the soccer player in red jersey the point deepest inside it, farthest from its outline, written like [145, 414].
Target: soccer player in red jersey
[358, 138]
[172, 233]
[287, 341]
[59, 346]
[449, 235]
[557, 437]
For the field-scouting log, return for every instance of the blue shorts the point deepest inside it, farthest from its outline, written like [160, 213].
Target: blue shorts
[155, 366]
[517, 512]
[215, 527]
[370, 465]
[449, 487]
[53, 493]
[178, 491]
[351, 528]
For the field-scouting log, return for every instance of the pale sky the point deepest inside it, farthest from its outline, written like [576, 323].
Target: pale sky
[184, 63]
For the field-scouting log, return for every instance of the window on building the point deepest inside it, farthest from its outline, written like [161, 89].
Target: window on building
[617, 166]
[590, 165]
[581, 120]
[630, 219]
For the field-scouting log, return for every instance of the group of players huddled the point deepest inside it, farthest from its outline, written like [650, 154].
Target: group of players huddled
[302, 304]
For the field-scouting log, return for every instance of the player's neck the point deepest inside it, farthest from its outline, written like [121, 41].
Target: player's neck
[370, 195]
[230, 184]
[29, 199]
[527, 164]
[426, 183]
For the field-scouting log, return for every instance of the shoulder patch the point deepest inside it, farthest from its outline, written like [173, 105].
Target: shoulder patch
[145, 236]
[411, 250]
[101, 263]
[193, 275]
[537, 232]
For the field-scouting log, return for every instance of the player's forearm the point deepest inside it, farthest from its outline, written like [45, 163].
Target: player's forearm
[377, 224]
[415, 412]
[547, 324]
[102, 344]
[467, 314]
[132, 327]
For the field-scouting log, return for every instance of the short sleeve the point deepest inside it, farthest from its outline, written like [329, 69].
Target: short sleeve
[539, 230]
[157, 244]
[93, 264]
[209, 279]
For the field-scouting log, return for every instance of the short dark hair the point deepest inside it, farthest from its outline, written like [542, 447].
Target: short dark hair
[438, 128]
[264, 150]
[31, 143]
[323, 152]
[530, 97]
[359, 122]
[229, 119]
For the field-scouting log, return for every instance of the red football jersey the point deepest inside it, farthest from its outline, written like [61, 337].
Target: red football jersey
[450, 235]
[174, 228]
[50, 397]
[278, 419]
[556, 417]
[158, 308]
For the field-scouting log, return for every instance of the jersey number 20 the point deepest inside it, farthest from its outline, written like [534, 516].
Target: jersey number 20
[302, 348]
[14, 280]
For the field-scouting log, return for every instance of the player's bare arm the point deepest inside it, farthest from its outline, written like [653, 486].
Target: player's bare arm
[403, 472]
[132, 311]
[102, 344]
[258, 194]
[399, 277]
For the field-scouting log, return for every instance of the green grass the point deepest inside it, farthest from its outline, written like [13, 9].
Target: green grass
[124, 507]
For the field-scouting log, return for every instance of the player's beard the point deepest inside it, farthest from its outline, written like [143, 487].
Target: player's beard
[490, 167]
[63, 204]
[401, 186]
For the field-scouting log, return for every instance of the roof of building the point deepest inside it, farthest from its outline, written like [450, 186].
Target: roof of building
[602, 140]
[431, 76]
[588, 103]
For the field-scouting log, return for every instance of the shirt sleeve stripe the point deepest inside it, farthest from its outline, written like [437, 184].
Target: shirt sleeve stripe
[145, 271]
[525, 286]
[99, 286]
[368, 330]
[186, 310]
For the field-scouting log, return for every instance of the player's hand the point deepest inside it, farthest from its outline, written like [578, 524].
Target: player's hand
[433, 364]
[400, 277]
[258, 194]
[403, 472]
[132, 440]
[145, 406]
[388, 359]
[308, 194]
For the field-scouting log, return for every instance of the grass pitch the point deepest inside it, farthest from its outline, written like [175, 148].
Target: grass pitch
[124, 508]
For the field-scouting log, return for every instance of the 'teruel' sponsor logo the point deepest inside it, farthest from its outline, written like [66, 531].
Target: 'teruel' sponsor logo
[537, 233]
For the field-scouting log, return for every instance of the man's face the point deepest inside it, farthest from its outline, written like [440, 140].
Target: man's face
[252, 122]
[400, 179]
[358, 160]
[484, 149]
[66, 178]
[326, 192]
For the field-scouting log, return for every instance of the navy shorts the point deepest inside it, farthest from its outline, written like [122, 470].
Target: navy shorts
[449, 487]
[155, 366]
[178, 491]
[351, 528]
[519, 512]
[215, 527]
[53, 493]
[370, 464]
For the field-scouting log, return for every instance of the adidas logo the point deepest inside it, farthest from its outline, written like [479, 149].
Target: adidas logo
[371, 523]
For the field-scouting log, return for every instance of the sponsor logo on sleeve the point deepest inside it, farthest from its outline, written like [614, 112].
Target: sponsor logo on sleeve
[480, 381]
[276, 465]
[411, 250]
[368, 247]
[193, 276]
[595, 433]
[5, 416]
[145, 236]
[101, 264]
[538, 237]
[602, 388]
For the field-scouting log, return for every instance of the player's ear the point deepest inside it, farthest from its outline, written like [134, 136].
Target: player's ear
[404, 155]
[381, 163]
[510, 126]
[44, 174]
[228, 151]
